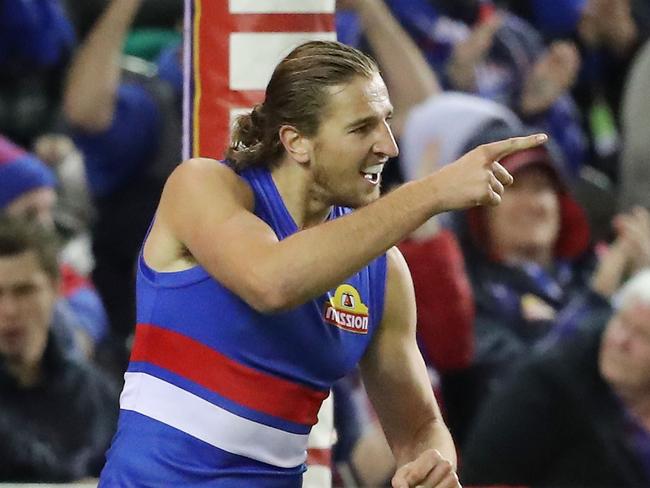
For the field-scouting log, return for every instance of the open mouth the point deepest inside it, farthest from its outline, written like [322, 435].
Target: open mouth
[372, 173]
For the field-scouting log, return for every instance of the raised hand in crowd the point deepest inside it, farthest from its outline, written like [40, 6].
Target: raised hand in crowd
[628, 254]
[470, 52]
[552, 75]
[610, 24]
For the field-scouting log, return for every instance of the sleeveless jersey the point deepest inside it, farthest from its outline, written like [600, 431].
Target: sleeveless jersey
[217, 394]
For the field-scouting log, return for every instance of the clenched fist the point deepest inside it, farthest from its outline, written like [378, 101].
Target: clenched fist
[429, 470]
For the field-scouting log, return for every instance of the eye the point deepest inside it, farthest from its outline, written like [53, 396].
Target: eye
[363, 129]
[23, 290]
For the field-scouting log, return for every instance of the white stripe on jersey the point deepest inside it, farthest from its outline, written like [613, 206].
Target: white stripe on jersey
[171, 405]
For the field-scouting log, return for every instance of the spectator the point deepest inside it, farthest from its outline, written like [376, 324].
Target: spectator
[476, 48]
[445, 123]
[529, 261]
[532, 273]
[28, 190]
[577, 415]
[608, 34]
[128, 128]
[57, 413]
[28, 185]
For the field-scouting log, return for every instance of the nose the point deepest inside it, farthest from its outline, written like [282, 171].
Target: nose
[385, 144]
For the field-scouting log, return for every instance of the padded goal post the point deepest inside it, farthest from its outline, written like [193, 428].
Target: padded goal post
[231, 48]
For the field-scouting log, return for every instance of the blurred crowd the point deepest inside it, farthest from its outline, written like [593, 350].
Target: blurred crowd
[533, 316]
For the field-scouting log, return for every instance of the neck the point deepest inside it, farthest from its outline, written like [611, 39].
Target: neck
[25, 373]
[300, 194]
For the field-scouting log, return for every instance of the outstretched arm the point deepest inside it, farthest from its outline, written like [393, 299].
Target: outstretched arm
[206, 209]
[94, 75]
[398, 386]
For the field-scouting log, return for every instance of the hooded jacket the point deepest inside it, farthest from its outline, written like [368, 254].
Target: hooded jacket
[508, 300]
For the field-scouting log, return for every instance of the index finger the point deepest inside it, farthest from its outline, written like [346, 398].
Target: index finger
[501, 149]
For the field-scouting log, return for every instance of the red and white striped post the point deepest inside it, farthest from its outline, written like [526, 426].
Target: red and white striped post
[231, 48]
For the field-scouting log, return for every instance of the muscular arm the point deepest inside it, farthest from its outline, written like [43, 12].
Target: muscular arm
[94, 75]
[396, 378]
[207, 209]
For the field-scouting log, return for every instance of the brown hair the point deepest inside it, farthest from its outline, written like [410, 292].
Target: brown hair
[19, 235]
[296, 95]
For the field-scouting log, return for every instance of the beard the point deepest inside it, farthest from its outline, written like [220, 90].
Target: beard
[340, 190]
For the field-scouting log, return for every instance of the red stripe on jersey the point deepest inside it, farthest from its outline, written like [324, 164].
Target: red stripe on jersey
[243, 385]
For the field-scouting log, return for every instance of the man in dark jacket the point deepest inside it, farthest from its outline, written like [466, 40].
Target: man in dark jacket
[57, 413]
[577, 415]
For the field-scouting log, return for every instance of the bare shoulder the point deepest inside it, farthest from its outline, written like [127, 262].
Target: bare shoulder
[198, 195]
[199, 176]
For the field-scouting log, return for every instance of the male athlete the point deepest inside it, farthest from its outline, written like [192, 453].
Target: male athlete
[258, 288]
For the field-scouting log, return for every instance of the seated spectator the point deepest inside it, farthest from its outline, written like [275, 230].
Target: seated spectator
[28, 190]
[28, 185]
[444, 123]
[529, 260]
[57, 413]
[533, 273]
[577, 415]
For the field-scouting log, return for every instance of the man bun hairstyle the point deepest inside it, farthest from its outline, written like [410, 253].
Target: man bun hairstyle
[296, 95]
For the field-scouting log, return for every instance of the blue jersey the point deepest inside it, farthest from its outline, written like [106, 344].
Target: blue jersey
[217, 394]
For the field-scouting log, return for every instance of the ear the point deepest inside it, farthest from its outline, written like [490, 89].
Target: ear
[297, 145]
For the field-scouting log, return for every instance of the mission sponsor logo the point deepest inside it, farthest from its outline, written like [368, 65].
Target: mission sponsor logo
[346, 311]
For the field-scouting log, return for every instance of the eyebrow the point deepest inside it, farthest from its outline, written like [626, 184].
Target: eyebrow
[369, 119]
